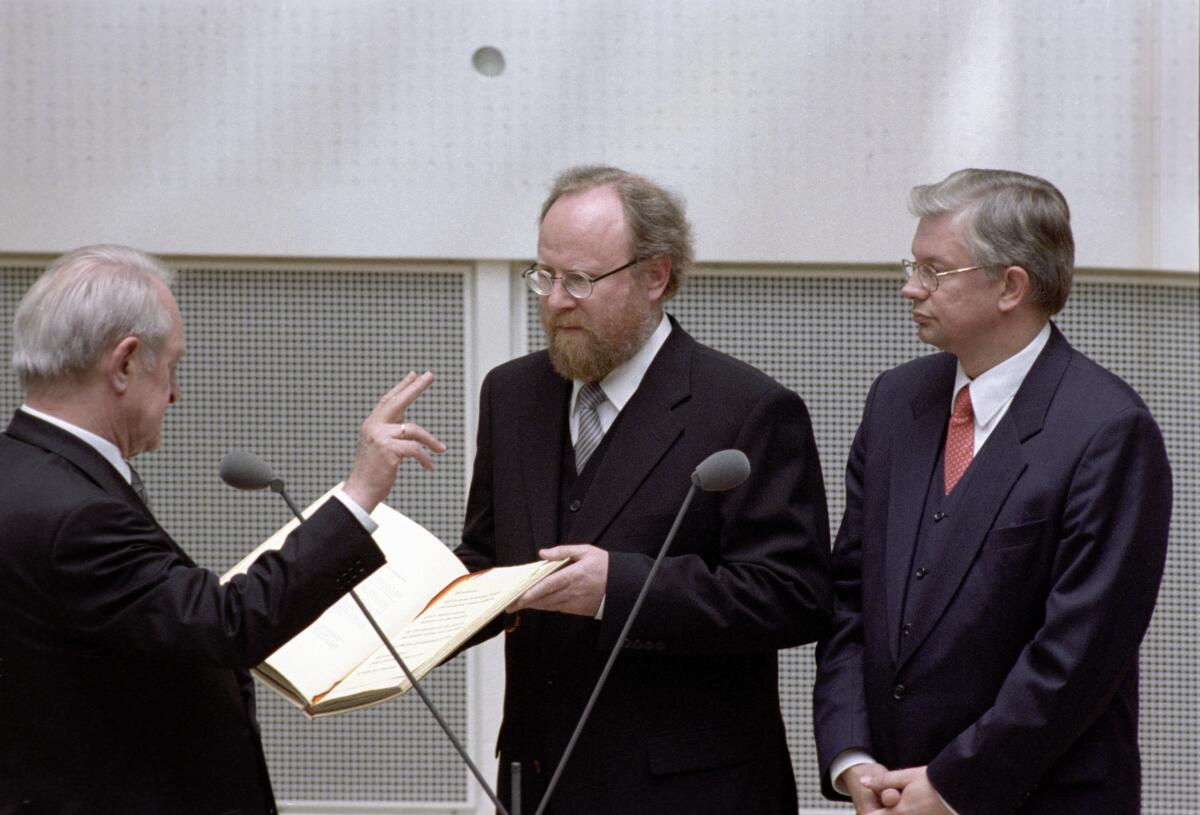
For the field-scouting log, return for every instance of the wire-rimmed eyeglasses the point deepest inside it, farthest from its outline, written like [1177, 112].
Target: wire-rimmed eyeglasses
[929, 276]
[577, 284]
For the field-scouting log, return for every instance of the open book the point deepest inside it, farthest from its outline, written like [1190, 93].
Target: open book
[422, 597]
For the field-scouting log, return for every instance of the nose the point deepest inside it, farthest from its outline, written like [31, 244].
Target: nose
[913, 290]
[558, 299]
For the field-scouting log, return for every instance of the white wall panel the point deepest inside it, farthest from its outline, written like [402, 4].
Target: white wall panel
[794, 129]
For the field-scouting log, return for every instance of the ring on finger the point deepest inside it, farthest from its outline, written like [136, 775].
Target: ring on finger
[402, 428]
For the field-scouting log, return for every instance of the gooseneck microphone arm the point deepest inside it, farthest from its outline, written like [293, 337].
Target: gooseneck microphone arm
[277, 486]
[721, 471]
[245, 471]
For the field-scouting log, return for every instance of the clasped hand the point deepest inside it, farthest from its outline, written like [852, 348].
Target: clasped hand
[877, 791]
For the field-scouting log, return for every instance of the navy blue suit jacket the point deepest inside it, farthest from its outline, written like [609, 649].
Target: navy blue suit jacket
[123, 666]
[1017, 683]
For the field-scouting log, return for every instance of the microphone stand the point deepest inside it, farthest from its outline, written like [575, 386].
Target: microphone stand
[277, 486]
[612, 657]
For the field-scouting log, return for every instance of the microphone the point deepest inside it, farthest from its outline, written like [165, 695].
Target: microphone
[246, 471]
[721, 471]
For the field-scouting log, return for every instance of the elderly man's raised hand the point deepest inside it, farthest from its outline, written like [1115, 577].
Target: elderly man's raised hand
[386, 439]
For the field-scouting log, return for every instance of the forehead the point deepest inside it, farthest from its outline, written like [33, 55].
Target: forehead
[584, 226]
[941, 237]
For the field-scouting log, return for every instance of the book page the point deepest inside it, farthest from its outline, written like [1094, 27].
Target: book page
[418, 567]
[453, 618]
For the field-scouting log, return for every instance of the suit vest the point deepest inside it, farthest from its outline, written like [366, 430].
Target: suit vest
[933, 543]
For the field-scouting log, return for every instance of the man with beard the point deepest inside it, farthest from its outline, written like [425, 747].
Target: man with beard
[585, 452]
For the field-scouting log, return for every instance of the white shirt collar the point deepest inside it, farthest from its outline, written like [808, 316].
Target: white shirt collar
[102, 445]
[994, 389]
[623, 381]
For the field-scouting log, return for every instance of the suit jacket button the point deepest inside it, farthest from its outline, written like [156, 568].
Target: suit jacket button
[575, 505]
[899, 692]
[551, 678]
[907, 629]
[939, 515]
[921, 572]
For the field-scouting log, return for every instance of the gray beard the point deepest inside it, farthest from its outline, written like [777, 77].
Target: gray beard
[595, 359]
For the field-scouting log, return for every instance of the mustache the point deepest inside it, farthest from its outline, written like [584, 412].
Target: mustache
[564, 323]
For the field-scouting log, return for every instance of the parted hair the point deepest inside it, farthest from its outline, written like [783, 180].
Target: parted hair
[654, 215]
[1009, 219]
[86, 302]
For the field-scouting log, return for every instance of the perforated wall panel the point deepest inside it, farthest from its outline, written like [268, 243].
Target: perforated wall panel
[827, 337]
[287, 361]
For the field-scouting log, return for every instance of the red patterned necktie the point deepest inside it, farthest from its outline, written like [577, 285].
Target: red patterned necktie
[960, 439]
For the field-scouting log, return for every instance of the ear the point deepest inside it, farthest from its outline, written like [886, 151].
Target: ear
[1016, 288]
[656, 273]
[117, 364]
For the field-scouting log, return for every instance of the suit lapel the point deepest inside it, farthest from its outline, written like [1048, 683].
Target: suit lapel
[914, 454]
[643, 433]
[995, 470]
[1032, 402]
[89, 462]
[82, 455]
[541, 459]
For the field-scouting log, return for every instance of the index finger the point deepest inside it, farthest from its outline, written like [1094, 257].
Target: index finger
[396, 401]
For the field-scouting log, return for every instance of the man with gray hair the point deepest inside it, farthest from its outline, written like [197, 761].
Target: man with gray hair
[123, 665]
[1007, 506]
[585, 452]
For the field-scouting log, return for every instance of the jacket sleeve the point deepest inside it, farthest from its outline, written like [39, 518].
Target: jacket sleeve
[125, 583]
[840, 719]
[477, 550]
[768, 587]
[1106, 572]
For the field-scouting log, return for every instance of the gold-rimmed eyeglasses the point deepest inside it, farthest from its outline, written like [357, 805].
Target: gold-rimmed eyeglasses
[577, 284]
[929, 276]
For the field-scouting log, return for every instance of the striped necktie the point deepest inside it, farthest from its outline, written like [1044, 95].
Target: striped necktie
[139, 488]
[591, 396]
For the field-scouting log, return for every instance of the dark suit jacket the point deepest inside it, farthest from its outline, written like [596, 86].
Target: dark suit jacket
[1017, 684]
[123, 683]
[689, 721]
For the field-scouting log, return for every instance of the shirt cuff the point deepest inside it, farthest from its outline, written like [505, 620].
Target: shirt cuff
[844, 761]
[600, 611]
[358, 512]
